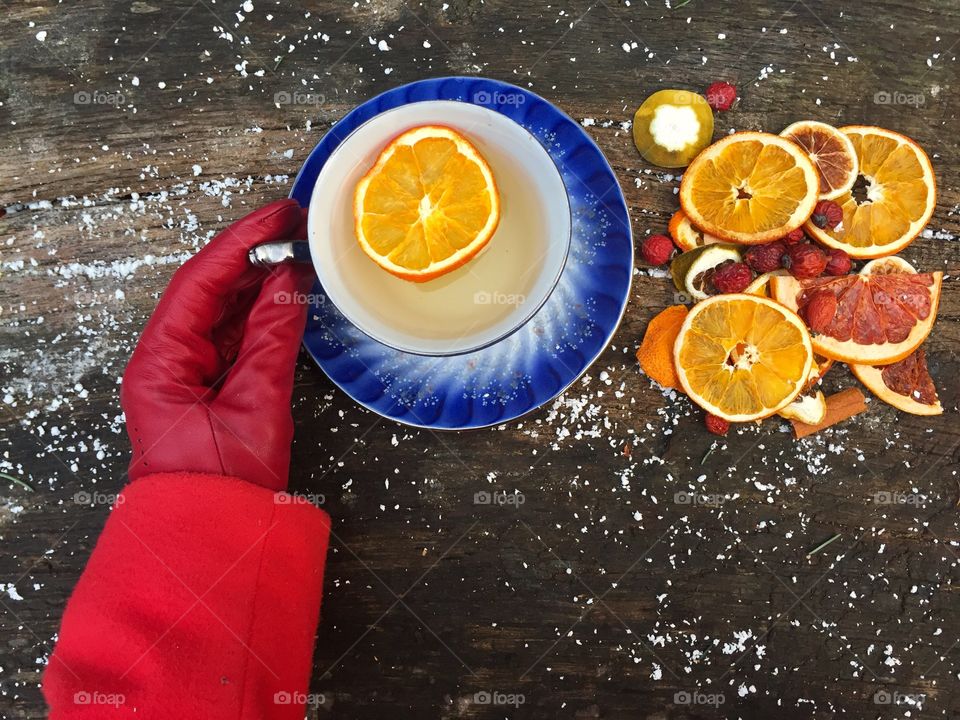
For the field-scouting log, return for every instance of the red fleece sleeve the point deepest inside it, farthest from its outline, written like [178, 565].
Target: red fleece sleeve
[201, 600]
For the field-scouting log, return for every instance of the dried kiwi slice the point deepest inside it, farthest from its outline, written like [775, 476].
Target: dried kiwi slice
[672, 126]
[691, 270]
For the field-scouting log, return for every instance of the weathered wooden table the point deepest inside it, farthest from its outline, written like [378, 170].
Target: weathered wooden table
[132, 131]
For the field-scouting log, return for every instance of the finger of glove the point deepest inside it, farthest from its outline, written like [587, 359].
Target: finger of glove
[179, 335]
[263, 372]
[223, 267]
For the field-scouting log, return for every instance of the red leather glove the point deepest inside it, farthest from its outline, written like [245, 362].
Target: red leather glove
[208, 387]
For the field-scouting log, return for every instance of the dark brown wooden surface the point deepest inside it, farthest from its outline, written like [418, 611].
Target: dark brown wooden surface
[601, 596]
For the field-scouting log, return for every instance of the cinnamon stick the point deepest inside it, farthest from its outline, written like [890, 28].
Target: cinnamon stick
[840, 406]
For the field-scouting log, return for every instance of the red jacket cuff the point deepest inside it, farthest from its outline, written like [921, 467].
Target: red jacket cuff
[201, 599]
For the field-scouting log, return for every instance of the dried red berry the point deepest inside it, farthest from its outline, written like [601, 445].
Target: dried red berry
[794, 236]
[717, 425]
[657, 249]
[732, 277]
[765, 258]
[838, 262]
[805, 260]
[827, 214]
[720, 95]
[819, 311]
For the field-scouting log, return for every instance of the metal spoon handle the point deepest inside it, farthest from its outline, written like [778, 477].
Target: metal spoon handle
[267, 254]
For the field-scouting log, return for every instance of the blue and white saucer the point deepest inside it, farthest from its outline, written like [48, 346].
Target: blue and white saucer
[530, 367]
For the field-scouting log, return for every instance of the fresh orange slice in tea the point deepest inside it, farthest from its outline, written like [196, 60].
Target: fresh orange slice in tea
[742, 357]
[832, 153]
[750, 187]
[427, 206]
[898, 201]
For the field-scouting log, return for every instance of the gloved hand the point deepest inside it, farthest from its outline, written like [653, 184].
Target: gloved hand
[208, 387]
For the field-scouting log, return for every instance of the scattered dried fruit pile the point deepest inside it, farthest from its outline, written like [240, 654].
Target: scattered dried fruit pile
[769, 229]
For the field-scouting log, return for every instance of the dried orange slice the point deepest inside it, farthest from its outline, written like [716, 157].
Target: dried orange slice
[750, 187]
[905, 384]
[901, 193]
[685, 235]
[761, 283]
[428, 205]
[655, 353]
[832, 153]
[877, 319]
[742, 357]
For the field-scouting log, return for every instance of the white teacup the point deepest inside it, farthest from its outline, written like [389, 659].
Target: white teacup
[477, 304]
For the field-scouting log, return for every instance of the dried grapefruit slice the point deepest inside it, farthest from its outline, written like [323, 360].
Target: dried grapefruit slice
[686, 236]
[901, 193]
[750, 187]
[832, 153]
[428, 205]
[878, 318]
[742, 357]
[905, 384]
